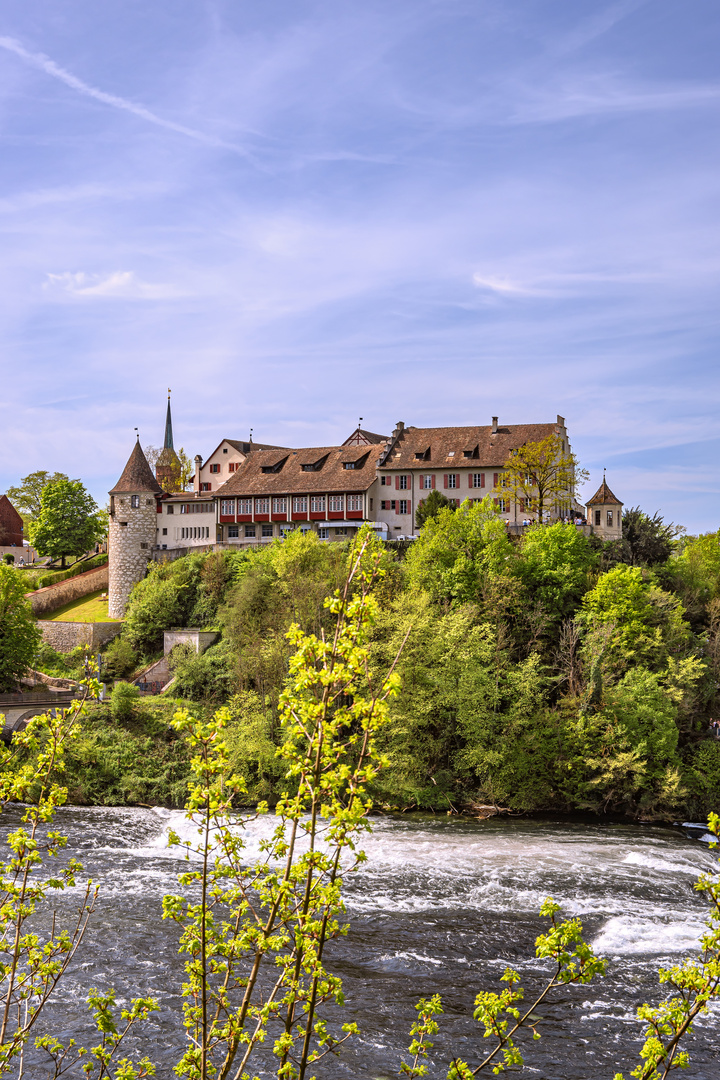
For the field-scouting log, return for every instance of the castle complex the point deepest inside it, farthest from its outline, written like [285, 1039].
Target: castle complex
[251, 493]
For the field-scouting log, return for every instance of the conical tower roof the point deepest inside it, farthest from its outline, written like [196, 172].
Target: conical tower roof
[168, 444]
[603, 495]
[137, 475]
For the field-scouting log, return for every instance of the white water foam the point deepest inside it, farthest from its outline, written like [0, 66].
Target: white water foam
[629, 936]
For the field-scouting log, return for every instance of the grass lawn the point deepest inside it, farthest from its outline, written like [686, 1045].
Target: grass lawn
[88, 608]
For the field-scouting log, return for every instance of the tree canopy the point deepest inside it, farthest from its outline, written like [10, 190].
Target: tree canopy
[542, 473]
[429, 507]
[69, 521]
[27, 496]
[19, 633]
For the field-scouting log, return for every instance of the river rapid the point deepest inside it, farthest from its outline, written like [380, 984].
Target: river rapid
[442, 905]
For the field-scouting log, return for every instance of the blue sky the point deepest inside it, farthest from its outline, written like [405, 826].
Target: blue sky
[299, 213]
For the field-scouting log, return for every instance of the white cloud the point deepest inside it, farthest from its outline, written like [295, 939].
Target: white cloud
[121, 285]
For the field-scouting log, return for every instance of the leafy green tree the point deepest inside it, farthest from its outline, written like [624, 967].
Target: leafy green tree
[647, 540]
[27, 497]
[456, 548]
[554, 564]
[630, 621]
[68, 522]
[429, 507]
[542, 474]
[20, 636]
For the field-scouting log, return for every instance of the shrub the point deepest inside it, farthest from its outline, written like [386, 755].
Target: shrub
[208, 677]
[122, 702]
[119, 659]
[19, 633]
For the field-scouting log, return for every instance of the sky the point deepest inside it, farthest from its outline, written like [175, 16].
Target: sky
[296, 214]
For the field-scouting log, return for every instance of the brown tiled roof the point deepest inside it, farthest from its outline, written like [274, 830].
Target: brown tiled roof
[137, 475]
[370, 437]
[246, 447]
[446, 445]
[603, 495]
[249, 479]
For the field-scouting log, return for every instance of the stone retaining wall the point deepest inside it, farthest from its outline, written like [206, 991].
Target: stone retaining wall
[56, 596]
[66, 636]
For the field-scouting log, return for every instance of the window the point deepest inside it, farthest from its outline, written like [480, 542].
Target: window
[610, 518]
[452, 480]
[354, 502]
[279, 504]
[233, 532]
[341, 532]
[214, 468]
[244, 506]
[324, 533]
[135, 501]
[597, 517]
[233, 466]
[385, 481]
[426, 483]
[336, 504]
[224, 449]
[387, 504]
[164, 532]
[206, 487]
[501, 505]
[262, 506]
[348, 464]
[170, 508]
[477, 479]
[528, 479]
[317, 504]
[403, 485]
[267, 529]
[403, 506]
[371, 504]
[299, 504]
[227, 507]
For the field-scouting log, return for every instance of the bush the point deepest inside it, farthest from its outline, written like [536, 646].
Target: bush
[19, 633]
[209, 677]
[61, 665]
[119, 659]
[123, 700]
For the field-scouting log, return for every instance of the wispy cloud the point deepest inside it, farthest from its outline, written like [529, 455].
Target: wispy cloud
[121, 285]
[46, 64]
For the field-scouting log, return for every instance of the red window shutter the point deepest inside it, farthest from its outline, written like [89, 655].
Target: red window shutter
[495, 479]
[422, 480]
[433, 481]
[397, 483]
[496, 501]
[470, 479]
[445, 479]
[482, 479]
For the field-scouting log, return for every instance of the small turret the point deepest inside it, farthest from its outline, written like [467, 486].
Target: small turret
[605, 513]
[133, 529]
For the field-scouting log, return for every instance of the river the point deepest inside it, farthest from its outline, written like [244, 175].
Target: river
[442, 905]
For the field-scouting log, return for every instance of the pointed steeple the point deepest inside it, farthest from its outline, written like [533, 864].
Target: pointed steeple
[168, 444]
[137, 475]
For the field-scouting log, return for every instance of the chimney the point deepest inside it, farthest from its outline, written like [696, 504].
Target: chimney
[560, 421]
[196, 477]
[399, 428]
[494, 425]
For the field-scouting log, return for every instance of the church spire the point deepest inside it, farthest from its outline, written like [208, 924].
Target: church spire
[168, 444]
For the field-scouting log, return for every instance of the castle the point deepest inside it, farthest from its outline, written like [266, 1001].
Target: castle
[250, 493]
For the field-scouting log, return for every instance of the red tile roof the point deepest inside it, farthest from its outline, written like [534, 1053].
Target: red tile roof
[603, 495]
[447, 445]
[330, 476]
[137, 475]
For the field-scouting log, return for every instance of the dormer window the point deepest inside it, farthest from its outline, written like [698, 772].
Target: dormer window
[451, 453]
[423, 455]
[273, 468]
[348, 464]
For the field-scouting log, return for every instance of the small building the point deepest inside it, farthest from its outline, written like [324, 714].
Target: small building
[605, 513]
[11, 524]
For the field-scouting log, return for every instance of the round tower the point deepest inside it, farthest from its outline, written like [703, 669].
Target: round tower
[133, 529]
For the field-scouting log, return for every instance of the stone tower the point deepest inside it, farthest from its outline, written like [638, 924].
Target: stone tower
[133, 529]
[605, 513]
[167, 466]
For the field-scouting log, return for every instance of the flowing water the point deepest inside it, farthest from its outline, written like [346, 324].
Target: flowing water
[442, 905]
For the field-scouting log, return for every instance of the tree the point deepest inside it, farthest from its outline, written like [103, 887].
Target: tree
[27, 498]
[68, 523]
[540, 473]
[429, 507]
[648, 540]
[19, 634]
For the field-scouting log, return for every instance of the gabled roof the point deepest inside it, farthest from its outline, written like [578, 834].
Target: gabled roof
[603, 495]
[447, 445]
[332, 476]
[361, 437]
[137, 475]
[244, 447]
